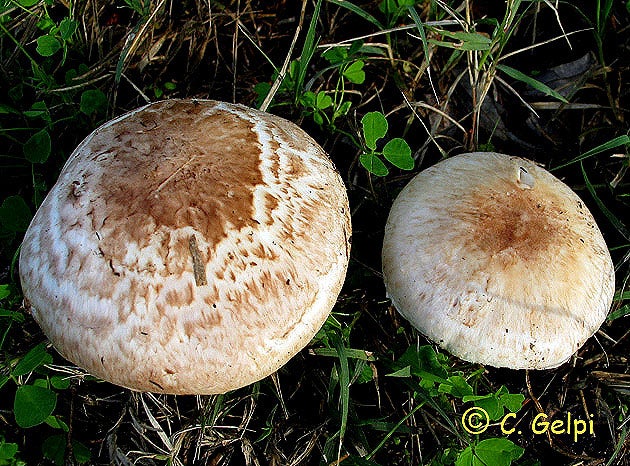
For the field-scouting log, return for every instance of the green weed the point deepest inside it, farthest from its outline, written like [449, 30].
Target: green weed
[9, 454]
[396, 151]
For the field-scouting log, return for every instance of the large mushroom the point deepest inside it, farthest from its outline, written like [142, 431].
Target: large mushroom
[188, 247]
[497, 261]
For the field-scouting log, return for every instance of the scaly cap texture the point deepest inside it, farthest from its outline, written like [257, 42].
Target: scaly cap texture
[189, 246]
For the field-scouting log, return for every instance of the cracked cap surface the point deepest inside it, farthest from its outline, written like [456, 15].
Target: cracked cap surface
[188, 247]
[497, 261]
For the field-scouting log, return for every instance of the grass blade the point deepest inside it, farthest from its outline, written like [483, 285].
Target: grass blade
[425, 45]
[618, 313]
[359, 11]
[344, 390]
[618, 447]
[612, 144]
[308, 50]
[619, 226]
[351, 353]
[516, 74]
[463, 40]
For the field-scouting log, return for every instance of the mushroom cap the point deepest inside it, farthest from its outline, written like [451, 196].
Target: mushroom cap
[188, 247]
[497, 261]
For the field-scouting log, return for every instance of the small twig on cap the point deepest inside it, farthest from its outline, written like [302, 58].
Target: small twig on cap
[198, 268]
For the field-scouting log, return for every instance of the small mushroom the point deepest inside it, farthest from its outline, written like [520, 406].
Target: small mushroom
[188, 247]
[497, 261]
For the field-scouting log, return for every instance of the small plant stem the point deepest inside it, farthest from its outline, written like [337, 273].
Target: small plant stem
[235, 49]
[18, 45]
[69, 454]
[393, 430]
[283, 71]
